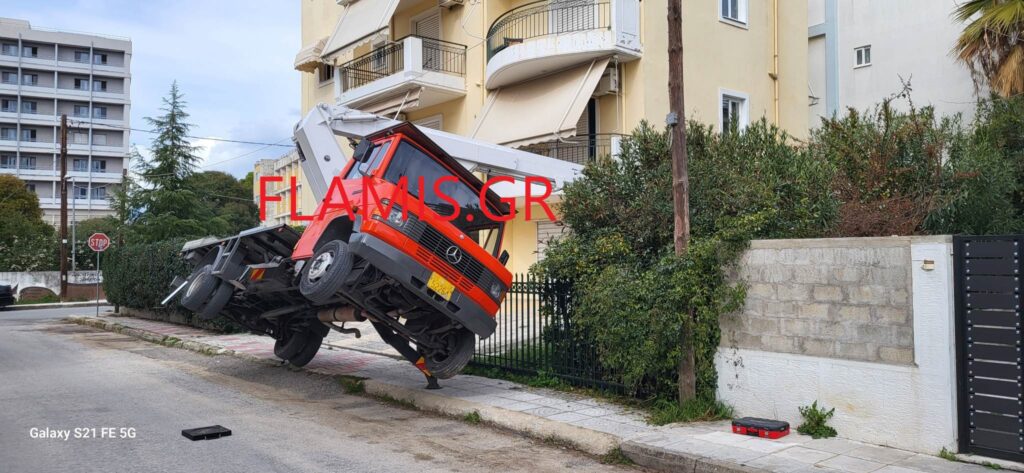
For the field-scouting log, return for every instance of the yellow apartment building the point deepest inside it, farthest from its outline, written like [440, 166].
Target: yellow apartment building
[561, 78]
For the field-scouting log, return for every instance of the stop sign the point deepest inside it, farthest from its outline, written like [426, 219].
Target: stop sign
[99, 242]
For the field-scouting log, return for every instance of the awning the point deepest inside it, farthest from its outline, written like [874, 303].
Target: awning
[308, 58]
[360, 23]
[539, 110]
[389, 107]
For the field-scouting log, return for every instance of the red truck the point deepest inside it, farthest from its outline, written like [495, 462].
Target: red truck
[429, 276]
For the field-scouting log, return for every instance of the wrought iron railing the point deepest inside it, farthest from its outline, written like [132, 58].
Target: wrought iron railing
[438, 56]
[547, 17]
[537, 335]
[579, 149]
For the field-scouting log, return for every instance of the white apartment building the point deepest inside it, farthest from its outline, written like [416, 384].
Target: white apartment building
[859, 50]
[44, 74]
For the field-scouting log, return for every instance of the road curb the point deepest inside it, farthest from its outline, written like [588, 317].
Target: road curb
[54, 305]
[672, 460]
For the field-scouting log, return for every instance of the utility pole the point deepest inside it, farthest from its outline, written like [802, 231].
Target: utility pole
[680, 181]
[63, 207]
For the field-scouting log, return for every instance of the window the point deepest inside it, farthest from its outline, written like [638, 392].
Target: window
[99, 86]
[99, 193]
[734, 111]
[371, 164]
[414, 164]
[10, 77]
[863, 54]
[8, 161]
[30, 187]
[326, 73]
[82, 56]
[81, 192]
[29, 107]
[99, 139]
[30, 79]
[80, 138]
[99, 165]
[380, 55]
[80, 165]
[30, 51]
[28, 162]
[99, 58]
[99, 112]
[28, 135]
[81, 111]
[9, 105]
[9, 134]
[733, 11]
[9, 49]
[82, 84]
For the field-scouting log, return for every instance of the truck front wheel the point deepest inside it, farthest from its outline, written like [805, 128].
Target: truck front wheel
[326, 271]
[461, 345]
[201, 285]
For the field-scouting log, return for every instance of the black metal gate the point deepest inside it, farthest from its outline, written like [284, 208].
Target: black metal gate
[987, 279]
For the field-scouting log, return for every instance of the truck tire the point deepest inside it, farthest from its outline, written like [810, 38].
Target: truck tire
[220, 299]
[326, 271]
[308, 351]
[457, 359]
[290, 343]
[201, 285]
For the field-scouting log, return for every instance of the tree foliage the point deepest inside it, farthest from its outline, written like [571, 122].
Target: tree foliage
[27, 243]
[992, 43]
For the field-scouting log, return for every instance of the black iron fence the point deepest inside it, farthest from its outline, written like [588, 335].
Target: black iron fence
[536, 335]
[547, 17]
[579, 149]
[438, 56]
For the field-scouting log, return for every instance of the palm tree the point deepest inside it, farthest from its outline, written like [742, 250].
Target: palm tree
[992, 43]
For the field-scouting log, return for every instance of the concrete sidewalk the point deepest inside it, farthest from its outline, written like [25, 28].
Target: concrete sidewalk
[589, 424]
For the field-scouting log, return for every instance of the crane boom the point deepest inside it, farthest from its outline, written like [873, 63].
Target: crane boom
[323, 158]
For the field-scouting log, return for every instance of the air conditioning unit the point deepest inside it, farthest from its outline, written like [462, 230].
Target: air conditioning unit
[449, 3]
[609, 83]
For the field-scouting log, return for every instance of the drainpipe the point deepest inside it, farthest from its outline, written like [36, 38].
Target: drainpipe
[775, 56]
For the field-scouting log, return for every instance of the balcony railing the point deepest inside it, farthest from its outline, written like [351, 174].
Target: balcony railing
[438, 56]
[547, 17]
[580, 149]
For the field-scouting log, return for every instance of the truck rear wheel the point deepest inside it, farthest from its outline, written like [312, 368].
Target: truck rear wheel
[308, 351]
[220, 299]
[326, 272]
[201, 285]
[461, 348]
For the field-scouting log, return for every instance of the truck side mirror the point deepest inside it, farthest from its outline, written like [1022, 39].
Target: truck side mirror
[504, 257]
[363, 151]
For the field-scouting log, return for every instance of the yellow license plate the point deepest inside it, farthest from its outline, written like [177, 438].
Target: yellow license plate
[440, 285]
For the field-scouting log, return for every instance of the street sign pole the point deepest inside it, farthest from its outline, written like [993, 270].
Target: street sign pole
[98, 242]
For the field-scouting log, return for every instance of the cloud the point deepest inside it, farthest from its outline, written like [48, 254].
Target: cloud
[232, 60]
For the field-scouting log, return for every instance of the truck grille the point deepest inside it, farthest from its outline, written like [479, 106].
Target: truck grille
[438, 245]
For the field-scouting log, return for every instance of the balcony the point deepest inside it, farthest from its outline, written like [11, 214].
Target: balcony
[408, 74]
[551, 35]
[579, 149]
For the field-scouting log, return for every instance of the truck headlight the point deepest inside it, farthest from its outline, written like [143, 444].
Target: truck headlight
[496, 291]
[395, 218]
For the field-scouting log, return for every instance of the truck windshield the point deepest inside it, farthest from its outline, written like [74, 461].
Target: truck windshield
[367, 167]
[411, 163]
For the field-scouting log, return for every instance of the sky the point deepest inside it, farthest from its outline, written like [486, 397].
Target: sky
[232, 60]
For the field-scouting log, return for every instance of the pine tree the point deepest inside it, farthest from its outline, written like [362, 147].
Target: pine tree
[174, 158]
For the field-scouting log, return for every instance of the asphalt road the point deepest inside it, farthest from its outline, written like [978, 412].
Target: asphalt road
[65, 377]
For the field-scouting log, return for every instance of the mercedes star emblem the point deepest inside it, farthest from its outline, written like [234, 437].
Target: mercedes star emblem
[454, 254]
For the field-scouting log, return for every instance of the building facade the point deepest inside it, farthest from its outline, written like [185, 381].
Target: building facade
[44, 74]
[862, 51]
[561, 78]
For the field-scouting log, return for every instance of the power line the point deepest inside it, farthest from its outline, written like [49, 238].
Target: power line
[210, 138]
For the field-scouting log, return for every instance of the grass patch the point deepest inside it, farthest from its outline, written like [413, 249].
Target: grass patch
[352, 385]
[695, 410]
[47, 299]
[472, 417]
[947, 455]
[539, 380]
[393, 401]
[615, 457]
[991, 466]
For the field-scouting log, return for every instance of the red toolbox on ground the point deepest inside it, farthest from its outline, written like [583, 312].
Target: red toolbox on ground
[764, 428]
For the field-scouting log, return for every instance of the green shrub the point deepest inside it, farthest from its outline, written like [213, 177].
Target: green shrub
[816, 421]
[139, 275]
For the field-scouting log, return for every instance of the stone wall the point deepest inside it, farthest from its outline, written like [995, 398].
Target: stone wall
[847, 298]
